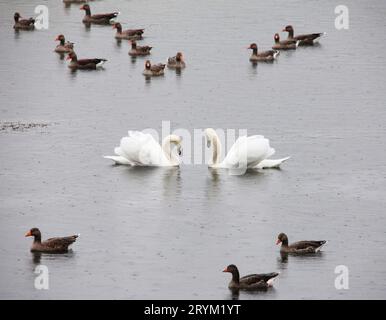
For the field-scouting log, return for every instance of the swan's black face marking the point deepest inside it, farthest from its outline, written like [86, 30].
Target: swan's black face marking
[180, 151]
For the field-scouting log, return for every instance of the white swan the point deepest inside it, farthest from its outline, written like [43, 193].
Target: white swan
[246, 152]
[140, 149]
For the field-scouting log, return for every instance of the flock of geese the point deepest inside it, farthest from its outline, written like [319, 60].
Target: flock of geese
[252, 282]
[67, 47]
[142, 149]
[175, 62]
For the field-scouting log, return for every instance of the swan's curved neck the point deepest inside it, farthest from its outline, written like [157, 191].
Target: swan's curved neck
[215, 141]
[167, 149]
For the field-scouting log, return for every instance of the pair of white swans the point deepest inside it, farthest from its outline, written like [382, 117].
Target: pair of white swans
[140, 149]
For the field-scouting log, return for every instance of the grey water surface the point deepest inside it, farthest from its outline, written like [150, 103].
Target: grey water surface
[168, 233]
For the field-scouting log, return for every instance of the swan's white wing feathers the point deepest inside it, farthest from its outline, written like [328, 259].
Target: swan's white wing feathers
[118, 160]
[271, 163]
[248, 152]
[142, 149]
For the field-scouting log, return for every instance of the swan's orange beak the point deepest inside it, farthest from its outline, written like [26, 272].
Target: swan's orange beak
[278, 241]
[225, 270]
[28, 234]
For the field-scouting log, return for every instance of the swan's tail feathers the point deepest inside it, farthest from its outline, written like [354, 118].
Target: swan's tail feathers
[271, 163]
[118, 160]
[320, 247]
[272, 280]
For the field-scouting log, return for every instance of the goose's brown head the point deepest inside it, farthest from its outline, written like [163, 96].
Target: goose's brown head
[282, 238]
[117, 26]
[276, 37]
[85, 7]
[34, 232]
[17, 16]
[60, 38]
[288, 29]
[252, 46]
[231, 269]
[147, 64]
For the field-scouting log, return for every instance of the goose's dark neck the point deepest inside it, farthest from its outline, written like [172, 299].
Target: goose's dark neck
[254, 50]
[88, 11]
[16, 19]
[62, 42]
[38, 238]
[284, 243]
[290, 34]
[133, 45]
[119, 28]
[235, 276]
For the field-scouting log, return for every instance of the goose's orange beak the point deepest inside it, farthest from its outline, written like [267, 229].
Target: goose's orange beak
[28, 234]
[225, 270]
[278, 241]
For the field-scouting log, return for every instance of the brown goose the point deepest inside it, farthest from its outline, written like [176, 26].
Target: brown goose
[285, 44]
[153, 70]
[300, 247]
[103, 18]
[269, 55]
[139, 50]
[63, 46]
[130, 34]
[84, 64]
[305, 39]
[176, 62]
[23, 24]
[75, 1]
[52, 245]
[249, 282]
